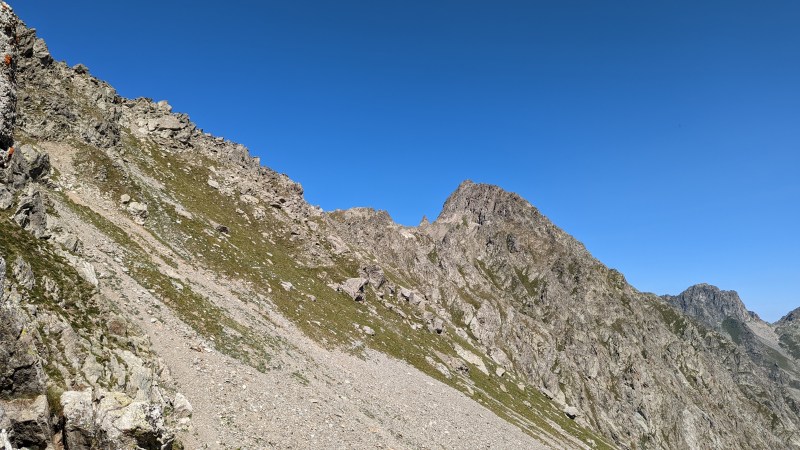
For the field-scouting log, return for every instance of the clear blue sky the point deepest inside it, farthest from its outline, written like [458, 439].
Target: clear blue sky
[664, 135]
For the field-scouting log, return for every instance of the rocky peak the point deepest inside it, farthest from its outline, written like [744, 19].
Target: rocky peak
[710, 304]
[792, 318]
[481, 203]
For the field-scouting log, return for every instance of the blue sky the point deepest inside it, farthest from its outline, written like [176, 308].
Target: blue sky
[666, 137]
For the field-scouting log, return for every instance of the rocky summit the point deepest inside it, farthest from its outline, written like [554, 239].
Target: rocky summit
[161, 289]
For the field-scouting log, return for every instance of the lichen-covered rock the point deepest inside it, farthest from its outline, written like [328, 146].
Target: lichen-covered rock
[21, 372]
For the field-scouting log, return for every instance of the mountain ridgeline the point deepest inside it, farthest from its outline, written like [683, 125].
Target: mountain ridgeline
[161, 289]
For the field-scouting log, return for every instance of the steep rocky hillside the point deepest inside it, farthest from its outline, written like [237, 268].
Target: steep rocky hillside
[163, 289]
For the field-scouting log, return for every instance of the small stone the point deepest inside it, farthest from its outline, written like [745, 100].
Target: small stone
[572, 412]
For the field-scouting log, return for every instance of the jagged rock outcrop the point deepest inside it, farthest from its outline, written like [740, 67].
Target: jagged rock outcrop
[710, 305]
[8, 88]
[634, 367]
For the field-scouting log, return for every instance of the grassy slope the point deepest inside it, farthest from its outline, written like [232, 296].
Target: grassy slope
[262, 254]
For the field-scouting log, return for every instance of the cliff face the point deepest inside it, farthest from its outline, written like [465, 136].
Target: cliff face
[710, 305]
[164, 289]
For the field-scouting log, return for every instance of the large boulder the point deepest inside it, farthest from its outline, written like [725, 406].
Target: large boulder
[31, 215]
[27, 420]
[106, 419]
[165, 123]
[21, 373]
[26, 164]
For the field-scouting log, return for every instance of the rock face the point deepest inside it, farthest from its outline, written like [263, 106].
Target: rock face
[8, 88]
[788, 330]
[133, 318]
[354, 287]
[642, 372]
[111, 420]
[710, 305]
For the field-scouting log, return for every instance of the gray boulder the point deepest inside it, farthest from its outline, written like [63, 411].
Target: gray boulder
[24, 273]
[354, 287]
[165, 123]
[6, 198]
[572, 412]
[21, 373]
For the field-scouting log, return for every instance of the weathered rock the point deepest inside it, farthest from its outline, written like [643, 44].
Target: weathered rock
[373, 274]
[572, 412]
[181, 407]
[114, 420]
[32, 216]
[354, 287]
[23, 273]
[710, 305]
[27, 420]
[70, 242]
[165, 123]
[138, 211]
[21, 373]
[8, 87]
[6, 198]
